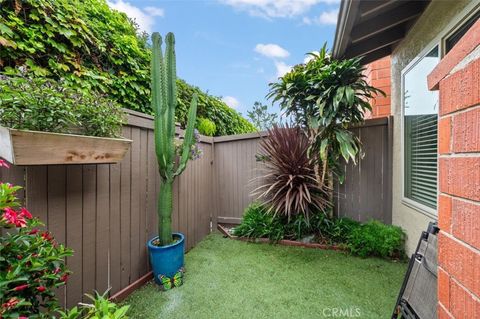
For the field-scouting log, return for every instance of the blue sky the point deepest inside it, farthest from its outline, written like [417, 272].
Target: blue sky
[234, 48]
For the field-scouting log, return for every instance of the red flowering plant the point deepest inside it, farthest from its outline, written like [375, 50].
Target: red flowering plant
[32, 263]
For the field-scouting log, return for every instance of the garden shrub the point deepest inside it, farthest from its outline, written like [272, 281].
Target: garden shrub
[377, 239]
[94, 48]
[101, 307]
[206, 127]
[299, 227]
[339, 230]
[258, 223]
[32, 263]
[42, 104]
[369, 239]
[227, 120]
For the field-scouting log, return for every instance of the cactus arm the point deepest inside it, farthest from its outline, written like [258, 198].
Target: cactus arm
[171, 74]
[158, 102]
[171, 88]
[188, 138]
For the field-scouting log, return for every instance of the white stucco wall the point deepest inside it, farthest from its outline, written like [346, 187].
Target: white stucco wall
[437, 17]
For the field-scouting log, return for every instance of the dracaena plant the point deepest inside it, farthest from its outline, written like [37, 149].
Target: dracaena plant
[289, 185]
[326, 97]
[164, 101]
[32, 263]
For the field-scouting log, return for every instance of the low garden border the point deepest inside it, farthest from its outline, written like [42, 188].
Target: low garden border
[284, 242]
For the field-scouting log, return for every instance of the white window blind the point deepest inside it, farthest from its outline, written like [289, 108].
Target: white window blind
[420, 128]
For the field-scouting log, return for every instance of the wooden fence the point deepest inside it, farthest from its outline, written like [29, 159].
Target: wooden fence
[367, 190]
[106, 213]
[366, 193]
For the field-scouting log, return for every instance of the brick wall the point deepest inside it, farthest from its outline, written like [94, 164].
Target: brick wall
[378, 75]
[457, 77]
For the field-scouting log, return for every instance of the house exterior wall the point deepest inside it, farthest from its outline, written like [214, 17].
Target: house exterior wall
[436, 17]
[378, 75]
[457, 77]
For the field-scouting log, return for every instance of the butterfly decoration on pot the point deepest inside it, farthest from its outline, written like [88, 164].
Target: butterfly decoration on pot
[167, 283]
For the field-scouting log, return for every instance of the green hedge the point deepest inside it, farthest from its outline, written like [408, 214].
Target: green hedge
[372, 238]
[377, 239]
[227, 121]
[92, 47]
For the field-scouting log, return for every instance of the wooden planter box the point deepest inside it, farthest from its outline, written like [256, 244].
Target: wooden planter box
[22, 147]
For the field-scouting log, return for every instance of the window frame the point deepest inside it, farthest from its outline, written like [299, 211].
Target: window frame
[422, 208]
[440, 40]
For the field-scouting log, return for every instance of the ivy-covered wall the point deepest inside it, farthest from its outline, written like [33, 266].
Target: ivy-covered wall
[94, 47]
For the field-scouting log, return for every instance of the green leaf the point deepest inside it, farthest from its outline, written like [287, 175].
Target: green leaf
[350, 94]
[321, 106]
[323, 149]
[5, 30]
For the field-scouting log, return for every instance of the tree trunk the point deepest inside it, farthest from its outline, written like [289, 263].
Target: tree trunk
[165, 206]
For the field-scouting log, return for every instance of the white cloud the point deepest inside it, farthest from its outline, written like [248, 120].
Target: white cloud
[275, 52]
[326, 17]
[271, 50]
[154, 11]
[145, 18]
[275, 8]
[282, 68]
[231, 101]
[307, 20]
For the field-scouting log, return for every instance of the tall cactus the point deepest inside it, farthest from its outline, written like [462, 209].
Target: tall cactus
[164, 100]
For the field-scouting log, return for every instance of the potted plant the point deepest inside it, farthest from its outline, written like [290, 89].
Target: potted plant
[46, 121]
[167, 249]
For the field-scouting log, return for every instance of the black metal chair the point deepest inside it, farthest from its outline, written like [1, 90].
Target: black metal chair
[418, 296]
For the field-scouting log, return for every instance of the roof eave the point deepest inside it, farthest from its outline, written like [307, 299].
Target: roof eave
[346, 19]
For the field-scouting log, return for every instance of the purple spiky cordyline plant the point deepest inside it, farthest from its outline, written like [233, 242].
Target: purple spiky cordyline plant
[289, 185]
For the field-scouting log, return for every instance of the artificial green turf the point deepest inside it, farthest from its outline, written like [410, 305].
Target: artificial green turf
[232, 279]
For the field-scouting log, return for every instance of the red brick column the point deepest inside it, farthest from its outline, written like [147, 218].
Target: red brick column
[378, 75]
[457, 77]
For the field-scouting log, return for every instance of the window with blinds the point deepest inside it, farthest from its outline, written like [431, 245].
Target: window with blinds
[420, 129]
[421, 159]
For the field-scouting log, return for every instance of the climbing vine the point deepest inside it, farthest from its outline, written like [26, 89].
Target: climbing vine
[93, 48]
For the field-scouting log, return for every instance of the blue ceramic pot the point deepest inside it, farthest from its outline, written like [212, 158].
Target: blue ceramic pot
[167, 260]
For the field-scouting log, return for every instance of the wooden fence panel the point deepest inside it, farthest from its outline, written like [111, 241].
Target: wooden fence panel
[235, 168]
[115, 228]
[365, 194]
[125, 211]
[89, 197]
[74, 232]
[102, 237]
